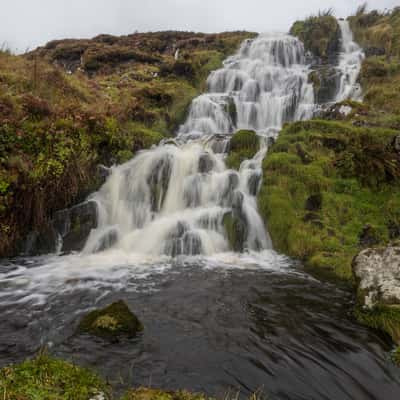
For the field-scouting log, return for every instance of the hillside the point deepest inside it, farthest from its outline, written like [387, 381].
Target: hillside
[71, 105]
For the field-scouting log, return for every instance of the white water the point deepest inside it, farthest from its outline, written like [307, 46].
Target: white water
[350, 61]
[172, 199]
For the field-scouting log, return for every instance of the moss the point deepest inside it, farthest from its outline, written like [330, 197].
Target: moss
[383, 318]
[320, 34]
[47, 378]
[243, 146]
[111, 322]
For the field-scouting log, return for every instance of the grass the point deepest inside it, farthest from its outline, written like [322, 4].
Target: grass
[46, 378]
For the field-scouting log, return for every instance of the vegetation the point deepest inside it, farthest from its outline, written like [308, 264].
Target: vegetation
[111, 322]
[319, 33]
[74, 104]
[46, 378]
[243, 146]
[324, 182]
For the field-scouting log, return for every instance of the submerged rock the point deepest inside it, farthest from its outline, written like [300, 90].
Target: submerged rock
[377, 272]
[112, 322]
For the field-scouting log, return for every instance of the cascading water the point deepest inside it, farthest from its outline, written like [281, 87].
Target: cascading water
[174, 199]
[350, 61]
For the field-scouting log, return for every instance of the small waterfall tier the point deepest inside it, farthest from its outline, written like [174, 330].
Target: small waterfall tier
[350, 61]
[179, 198]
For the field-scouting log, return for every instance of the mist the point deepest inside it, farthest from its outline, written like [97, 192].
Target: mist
[26, 24]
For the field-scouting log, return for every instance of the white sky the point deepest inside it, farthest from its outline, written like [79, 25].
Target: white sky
[29, 23]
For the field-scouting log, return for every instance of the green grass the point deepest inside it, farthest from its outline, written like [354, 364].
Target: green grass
[46, 378]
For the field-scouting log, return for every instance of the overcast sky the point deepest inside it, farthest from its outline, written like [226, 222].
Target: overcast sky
[29, 23]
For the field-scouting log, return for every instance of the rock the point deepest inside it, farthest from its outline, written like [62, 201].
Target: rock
[41, 242]
[75, 224]
[314, 202]
[206, 163]
[368, 236]
[236, 231]
[377, 272]
[158, 180]
[394, 230]
[253, 182]
[111, 322]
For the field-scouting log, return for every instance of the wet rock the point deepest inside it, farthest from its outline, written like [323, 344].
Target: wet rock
[75, 224]
[111, 322]
[206, 163]
[41, 242]
[232, 111]
[158, 181]
[377, 273]
[253, 182]
[108, 240]
[368, 236]
[182, 241]
[314, 202]
[236, 231]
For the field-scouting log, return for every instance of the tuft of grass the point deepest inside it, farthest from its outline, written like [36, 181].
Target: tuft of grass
[47, 378]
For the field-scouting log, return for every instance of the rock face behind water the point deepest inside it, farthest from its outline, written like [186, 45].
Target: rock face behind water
[377, 272]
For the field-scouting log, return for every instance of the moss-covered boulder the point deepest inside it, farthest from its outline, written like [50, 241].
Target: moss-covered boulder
[243, 146]
[155, 394]
[112, 322]
[46, 378]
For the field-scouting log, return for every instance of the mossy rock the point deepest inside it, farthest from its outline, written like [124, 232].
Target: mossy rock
[236, 231]
[47, 378]
[244, 145]
[112, 322]
[155, 394]
[396, 356]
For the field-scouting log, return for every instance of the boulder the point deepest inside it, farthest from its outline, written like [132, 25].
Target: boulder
[377, 273]
[314, 202]
[111, 322]
[206, 163]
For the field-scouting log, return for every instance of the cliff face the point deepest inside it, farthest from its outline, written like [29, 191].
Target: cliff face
[74, 104]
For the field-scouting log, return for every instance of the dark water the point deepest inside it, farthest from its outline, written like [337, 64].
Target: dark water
[280, 332]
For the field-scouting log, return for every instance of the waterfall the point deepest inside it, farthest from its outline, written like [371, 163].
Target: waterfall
[175, 198]
[350, 60]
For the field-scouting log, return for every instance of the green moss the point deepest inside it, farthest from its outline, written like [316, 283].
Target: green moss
[46, 378]
[111, 322]
[243, 146]
[383, 318]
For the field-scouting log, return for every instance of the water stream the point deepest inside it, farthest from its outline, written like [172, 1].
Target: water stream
[214, 319]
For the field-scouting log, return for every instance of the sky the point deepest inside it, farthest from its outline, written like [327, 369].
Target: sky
[26, 24]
